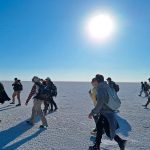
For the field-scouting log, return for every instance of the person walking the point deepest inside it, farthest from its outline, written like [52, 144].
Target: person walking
[107, 121]
[17, 87]
[142, 89]
[112, 84]
[52, 90]
[93, 95]
[146, 89]
[38, 101]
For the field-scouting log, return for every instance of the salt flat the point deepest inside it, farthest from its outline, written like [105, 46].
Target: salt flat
[69, 127]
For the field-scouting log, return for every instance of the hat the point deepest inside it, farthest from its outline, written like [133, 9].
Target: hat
[48, 79]
[99, 78]
[35, 79]
[108, 79]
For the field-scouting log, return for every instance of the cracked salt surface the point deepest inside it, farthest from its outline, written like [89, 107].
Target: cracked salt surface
[69, 128]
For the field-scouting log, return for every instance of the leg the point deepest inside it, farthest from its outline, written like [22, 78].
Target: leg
[46, 105]
[34, 112]
[148, 102]
[53, 103]
[100, 127]
[13, 97]
[40, 113]
[18, 97]
[121, 142]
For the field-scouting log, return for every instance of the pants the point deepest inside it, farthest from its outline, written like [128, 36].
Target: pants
[37, 111]
[52, 102]
[16, 93]
[148, 102]
[146, 93]
[103, 125]
[96, 119]
[141, 92]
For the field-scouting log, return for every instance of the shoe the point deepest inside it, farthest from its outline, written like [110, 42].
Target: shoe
[42, 126]
[55, 109]
[94, 147]
[51, 110]
[29, 122]
[122, 144]
[18, 105]
[12, 103]
[94, 131]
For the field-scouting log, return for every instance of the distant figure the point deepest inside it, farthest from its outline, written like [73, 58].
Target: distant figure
[93, 95]
[17, 87]
[146, 89]
[52, 91]
[107, 121]
[112, 84]
[148, 102]
[36, 91]
[142, 88]
[3, 95]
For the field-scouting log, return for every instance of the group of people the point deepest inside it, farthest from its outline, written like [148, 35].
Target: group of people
[103, 113]
[145, 88]
[43, 92]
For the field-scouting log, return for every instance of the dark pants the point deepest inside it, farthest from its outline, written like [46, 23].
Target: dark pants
[148, 102]
[50, 102]
[103, 125]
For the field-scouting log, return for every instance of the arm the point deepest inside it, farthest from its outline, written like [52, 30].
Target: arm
[101, 97]
[33, 91]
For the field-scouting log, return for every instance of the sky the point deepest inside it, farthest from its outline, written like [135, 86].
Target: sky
[47, 38]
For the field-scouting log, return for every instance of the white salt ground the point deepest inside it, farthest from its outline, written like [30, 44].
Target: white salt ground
[69, 127]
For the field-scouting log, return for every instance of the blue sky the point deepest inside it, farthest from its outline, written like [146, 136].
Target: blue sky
[46, 38]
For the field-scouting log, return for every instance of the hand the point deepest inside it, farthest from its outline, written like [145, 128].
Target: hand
[90, 116]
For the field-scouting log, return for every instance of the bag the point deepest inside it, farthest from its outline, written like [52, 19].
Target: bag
[114, 102]
[54, 91]
[116, 87]
[20, 87]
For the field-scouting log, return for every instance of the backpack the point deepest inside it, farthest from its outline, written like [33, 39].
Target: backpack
[116, 87]
[20, 87]
[114, 102]
[54, 91]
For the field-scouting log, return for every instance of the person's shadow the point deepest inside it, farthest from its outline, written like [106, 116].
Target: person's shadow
[11, 134]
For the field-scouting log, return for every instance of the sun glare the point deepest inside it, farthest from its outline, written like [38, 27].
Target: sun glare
[100, 27]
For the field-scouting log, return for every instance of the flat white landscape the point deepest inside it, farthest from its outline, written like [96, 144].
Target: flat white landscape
[69, 127]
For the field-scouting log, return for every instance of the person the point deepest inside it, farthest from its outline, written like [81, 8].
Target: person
[107, 121]
[52, 93]
[142, 88]
[146, 89]
[93, 95]
[17, 87]
[3, 95]
[38, 101]
[112, 84]
[148, 102]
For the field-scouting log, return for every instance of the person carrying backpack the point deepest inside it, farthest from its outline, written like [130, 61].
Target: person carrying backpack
[107, 121]
[52, 91]
[17, 87]
[37, 92]
[146, 89]
[112, 84]
[142, 88]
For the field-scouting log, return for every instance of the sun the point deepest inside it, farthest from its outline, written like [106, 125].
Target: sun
[100, 27]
